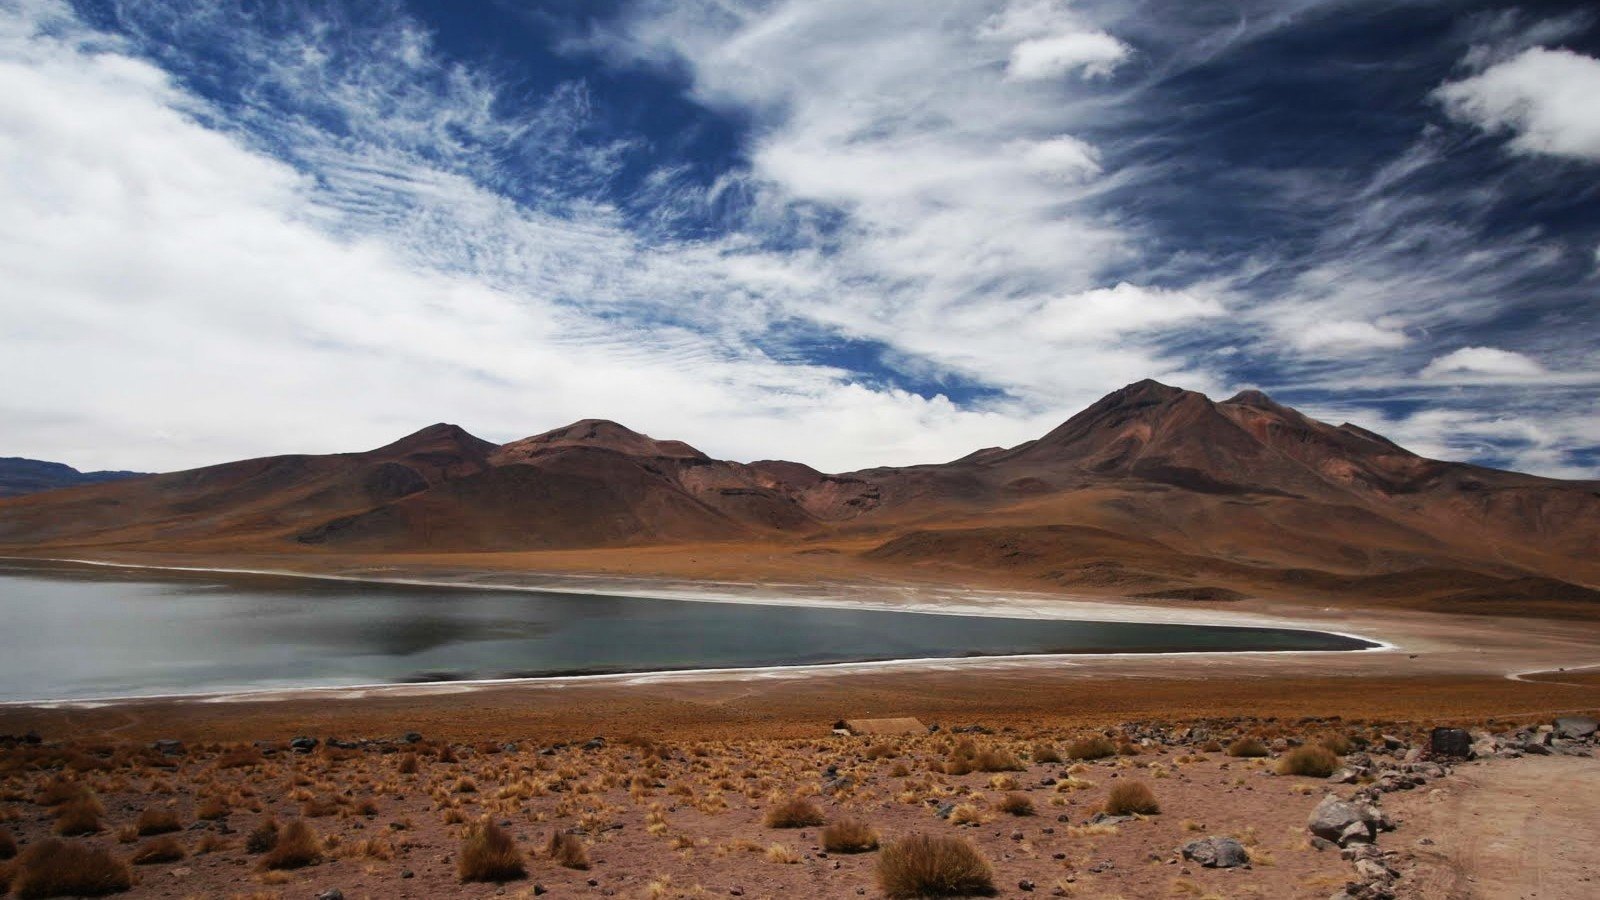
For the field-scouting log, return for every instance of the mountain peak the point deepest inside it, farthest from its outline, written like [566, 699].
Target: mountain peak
[597, 433]
[438, 436]
[1255, 398]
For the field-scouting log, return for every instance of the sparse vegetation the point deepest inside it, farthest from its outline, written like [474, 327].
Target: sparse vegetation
[80, 815]
[157, 820]
[849, 836]
[1130, 797]
[929, 866]
[160, 850]
[1312, 760]
[1248, 748]
[1016, 805]
[57, 868]
[263, 837]
[1096, 747]
[795, 812]
[567, 850]
[297, 846]
[489, 854]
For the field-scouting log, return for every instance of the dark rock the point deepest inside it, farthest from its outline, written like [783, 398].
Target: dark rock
[303, 744]
[1450, 742]
[412, 737]
[1216, 852]
[331, 894]
[169, 748]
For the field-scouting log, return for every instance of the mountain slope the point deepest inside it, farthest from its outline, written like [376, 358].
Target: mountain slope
[20, 476]
[1151, 488]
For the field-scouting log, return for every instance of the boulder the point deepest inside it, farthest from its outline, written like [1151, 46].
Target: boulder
[169, 748]
[1576, 728]
[1338, 821]
[1216, 852]
[303, 744]
[1450, 742]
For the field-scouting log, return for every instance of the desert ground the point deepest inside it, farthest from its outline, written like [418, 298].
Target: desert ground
[667, 783]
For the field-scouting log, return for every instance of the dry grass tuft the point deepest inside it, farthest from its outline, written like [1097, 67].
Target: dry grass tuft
[160, 850]
[992, 760]
[263, 837]
[778, 853]
[80, 815]
[1016, 805]
[489, 854]
[1129, 797]
[849, 836]
[407, 764]
[928, 866]
[211, 809]
[157, 820]
[57, 868]
[1044, 753]
[1247, 748]
[297, 847]
[567, 850]
[1312, 760]
[796, 812]
[1097, 747]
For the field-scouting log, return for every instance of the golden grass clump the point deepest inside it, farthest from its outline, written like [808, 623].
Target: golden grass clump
[928, 866]
[407, 764]
[157, 820]
[297, 847]
[1096, 747]
[1015, 804]
[1337, 743]
[211, 809]
[80, 815]
[567, 850]
[263, 837]
[57, 868]
[778, 853]
[1247, 748]
[159, 850]
[796, 812]
[1044, 753]
[489, 854]
[992, 760]
[1313, 760]
[849, 836]
[1129, 797]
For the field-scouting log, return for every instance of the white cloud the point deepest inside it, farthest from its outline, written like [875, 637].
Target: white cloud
[1092, 53]
[1474, 361]
[1338, 338]
[1546, 98]
[1062, 157]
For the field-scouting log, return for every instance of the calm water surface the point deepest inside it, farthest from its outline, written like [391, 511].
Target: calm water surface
[68, 631]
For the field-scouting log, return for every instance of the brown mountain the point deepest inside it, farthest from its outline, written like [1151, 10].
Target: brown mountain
[1153, 489]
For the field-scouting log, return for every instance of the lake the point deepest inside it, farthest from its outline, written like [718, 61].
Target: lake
[83, 631]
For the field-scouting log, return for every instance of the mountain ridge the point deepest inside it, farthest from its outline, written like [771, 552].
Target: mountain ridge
[1152, 487]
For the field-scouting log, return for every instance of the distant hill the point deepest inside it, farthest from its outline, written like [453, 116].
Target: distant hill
[1150, 491]
[20, 476]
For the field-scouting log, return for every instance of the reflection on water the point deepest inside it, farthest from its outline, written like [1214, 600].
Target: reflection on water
[78, 631]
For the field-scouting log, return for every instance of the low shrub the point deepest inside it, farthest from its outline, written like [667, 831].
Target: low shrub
[80, 815]
[1312, 760]
[1044, 753]
[1247, 748]
[1129, 797]
[157, 820]
[849, 836]
[263, 837]
[297, 847]
[927, 866]
[1016, 805]
[489, 854]
[990, 760]
[1097, 747]
[160, 850]
[796, 812]
[57, 868]
[567, 850]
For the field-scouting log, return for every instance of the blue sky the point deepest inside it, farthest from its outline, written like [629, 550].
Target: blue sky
[848, 232]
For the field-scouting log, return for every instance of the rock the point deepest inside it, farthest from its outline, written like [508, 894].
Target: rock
[331, 894]
[169, 748]
[1345, 776]
[594, 743]
[303, 744]
[1216, 852]
[945, 809]
[1576, 728]
[1450, 742]
[1025, 885]
[1333, 818]
[412, 737]
[1390, 742]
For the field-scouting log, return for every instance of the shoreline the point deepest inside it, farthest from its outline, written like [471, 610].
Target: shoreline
[1111, 613]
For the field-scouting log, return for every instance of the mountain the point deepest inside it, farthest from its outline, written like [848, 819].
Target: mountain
[1151, 490]
[20, 476]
